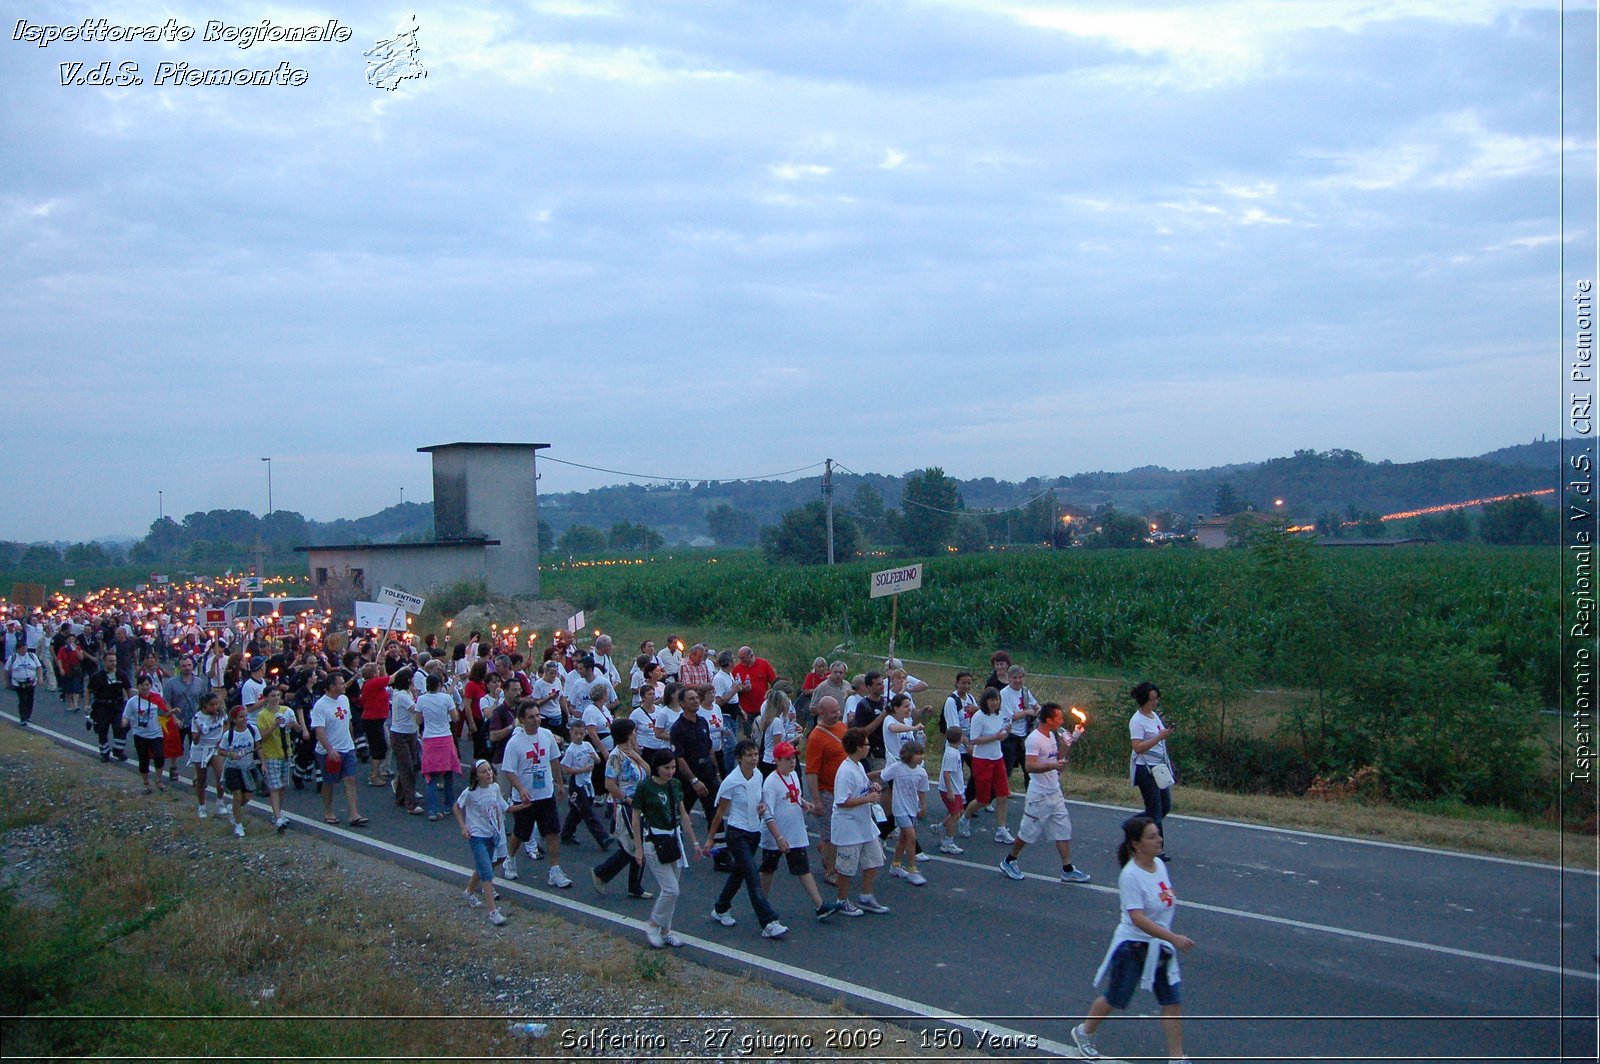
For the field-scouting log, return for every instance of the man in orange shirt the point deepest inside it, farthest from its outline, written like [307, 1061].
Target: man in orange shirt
[824, 755]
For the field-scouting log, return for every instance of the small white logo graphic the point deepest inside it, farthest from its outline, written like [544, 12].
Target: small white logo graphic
[389, 62]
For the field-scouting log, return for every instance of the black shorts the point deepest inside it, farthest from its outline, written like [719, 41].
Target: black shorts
[240, 779]
[799, 862]
[542, 814]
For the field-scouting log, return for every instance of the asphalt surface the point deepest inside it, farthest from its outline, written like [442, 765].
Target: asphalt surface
[1308, 947]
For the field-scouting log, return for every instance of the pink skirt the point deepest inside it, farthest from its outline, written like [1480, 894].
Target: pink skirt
[439, 755]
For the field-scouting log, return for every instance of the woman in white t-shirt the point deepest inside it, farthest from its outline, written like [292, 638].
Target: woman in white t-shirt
[1148, 734]
[1144, 950]
[404, 740]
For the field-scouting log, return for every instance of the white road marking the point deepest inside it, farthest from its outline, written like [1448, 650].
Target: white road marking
[1303, 925]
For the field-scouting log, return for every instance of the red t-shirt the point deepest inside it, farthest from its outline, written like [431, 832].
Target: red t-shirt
[811, 680]
[824, 754]
[760, 674]
[375, 698]
[474, 691]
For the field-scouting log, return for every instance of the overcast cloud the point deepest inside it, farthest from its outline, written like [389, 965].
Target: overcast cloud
[707, 238]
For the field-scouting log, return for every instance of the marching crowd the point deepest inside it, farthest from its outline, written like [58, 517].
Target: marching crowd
[622, 749]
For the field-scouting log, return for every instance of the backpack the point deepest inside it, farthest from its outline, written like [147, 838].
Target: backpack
[957, 698]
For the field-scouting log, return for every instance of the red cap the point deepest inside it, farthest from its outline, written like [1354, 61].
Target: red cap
[783, 750]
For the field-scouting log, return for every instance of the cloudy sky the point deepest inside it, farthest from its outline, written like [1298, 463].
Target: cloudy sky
[714, 239]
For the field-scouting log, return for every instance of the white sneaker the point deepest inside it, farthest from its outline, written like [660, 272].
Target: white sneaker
[774, 930]
[725, 919]
[558, 878]
[867, 903]
[916, 879]
[1003, 834]
[282, 824]
[675, 939]
[219, 807]
[897, 872]
[989, 808]
[238, 831]
[653, 935]
[508, 870]
[202, 811]
[497, 918]
[472, 899]
[964, 828]
[949, 846]
[1085, 1044]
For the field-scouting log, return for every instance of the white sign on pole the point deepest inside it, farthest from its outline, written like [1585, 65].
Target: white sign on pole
[161, 578]
[575, 622]
[894, 581]
[379, 615]
[250, 585]
[69, 582]
[403, 599]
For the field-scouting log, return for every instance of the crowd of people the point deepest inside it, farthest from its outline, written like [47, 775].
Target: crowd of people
[623, 749]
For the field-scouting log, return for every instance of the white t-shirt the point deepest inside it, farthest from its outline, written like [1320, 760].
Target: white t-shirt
[982, 726]
[1141, 727]
[957, 710]
[143, 717]
[576, 689]
[952, 774]
[666, 717]
[205, 730]
[744, 799]
[1043, 784]
[910, 784]
[1012, 703]
[601, 720]
[543, 690]
[250, 692]
[722, 685]
[580, 760]
[784, 729]
[435, 709]
[893, 740]
[401, 722]
[644, 728]
[485, 809]
[239, 747]
[853, 825]
[531, 758]
[333, 716]
[1150, 891]
[782, 795]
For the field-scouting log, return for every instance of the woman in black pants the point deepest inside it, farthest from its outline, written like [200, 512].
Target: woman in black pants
[1147, 735]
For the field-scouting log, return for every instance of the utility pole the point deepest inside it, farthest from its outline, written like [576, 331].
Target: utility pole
[269, 485]
[827, 495]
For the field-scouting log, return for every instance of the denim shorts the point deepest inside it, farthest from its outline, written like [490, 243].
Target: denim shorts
[483, 856]
[1127, 965]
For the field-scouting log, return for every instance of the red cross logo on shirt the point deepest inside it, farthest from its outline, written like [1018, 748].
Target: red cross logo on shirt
[1167, 896]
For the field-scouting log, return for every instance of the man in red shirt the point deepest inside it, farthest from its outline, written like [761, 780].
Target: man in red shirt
[374, 711]
[824, 755]
[755, 676]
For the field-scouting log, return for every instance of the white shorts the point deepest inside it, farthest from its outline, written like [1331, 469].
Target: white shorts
[1045, 818]
[201, 755]
[859, 857]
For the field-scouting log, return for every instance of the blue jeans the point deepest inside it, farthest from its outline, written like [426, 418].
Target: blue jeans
[483, 857]
[1157, 802]
[434, 809]
[741, 847]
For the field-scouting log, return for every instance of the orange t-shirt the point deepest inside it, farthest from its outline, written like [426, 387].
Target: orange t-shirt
[824, 754]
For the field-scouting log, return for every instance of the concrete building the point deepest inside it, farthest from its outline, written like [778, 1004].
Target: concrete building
[486, 529]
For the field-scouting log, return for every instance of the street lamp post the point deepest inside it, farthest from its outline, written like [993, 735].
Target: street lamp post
[269, 485]
[161, 504]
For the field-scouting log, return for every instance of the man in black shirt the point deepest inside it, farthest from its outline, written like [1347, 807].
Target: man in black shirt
[869, 715]
[697, 762]
[107, 695]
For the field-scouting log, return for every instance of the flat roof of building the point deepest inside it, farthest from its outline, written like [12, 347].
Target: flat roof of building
[447, 446]
[406, 546]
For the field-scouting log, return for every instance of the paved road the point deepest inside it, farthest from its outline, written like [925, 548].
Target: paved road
[1309, 947]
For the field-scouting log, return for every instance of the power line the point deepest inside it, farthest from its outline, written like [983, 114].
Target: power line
[647, 476]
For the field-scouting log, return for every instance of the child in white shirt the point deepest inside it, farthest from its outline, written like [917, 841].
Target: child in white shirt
[909, 802]
[952, 788]
[579, 760]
